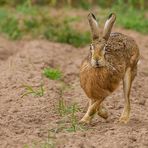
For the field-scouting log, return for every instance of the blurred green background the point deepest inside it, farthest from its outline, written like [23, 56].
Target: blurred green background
[66, 20]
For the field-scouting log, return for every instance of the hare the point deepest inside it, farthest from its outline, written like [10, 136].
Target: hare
[112, 57]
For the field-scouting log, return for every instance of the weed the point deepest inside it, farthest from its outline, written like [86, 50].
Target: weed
[69, 121]
[64, 33]
[74, 126]
[51, 73]
[130, 18]
[36, 92]
[49, 143]
[69, 111]
[26, 146]
[10, 27]
[63, 109]
[24, 9]
[22, 21]
[84, 4]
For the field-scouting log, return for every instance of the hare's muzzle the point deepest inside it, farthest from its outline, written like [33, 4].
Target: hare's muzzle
[97, 63]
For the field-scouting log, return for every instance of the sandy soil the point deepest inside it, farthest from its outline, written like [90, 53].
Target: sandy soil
[27, 120]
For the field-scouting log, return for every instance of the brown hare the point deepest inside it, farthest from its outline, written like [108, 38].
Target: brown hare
[113, 57]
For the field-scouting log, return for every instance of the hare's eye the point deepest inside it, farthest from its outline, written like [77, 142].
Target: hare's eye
[105, 47]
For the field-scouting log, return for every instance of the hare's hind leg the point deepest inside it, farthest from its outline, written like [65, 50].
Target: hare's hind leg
[102, 112]
[127, 81]
[92, 109]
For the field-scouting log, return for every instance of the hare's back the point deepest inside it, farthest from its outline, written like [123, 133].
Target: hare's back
[119, 41]
[122, 48]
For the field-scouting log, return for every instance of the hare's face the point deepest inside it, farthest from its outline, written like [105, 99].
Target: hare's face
[98, 54]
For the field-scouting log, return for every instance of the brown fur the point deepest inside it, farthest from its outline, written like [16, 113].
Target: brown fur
[121, 53]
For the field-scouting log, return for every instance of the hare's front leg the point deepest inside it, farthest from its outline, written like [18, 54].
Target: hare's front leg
[92, 109]
[87, 117]
[127, 81]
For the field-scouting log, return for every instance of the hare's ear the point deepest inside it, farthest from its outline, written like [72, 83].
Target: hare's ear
[93, 25]
[108, 26]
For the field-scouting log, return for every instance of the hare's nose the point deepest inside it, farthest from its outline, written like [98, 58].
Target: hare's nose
[97, 62]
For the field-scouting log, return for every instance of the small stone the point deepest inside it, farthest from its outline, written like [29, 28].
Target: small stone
[133, 138]
[142, 102]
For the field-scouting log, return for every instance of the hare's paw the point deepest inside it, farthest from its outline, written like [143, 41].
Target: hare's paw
[102, 112]
[125, 116]
[124, 119]
[85, 120]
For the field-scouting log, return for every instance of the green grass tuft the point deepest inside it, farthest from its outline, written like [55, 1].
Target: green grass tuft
[69, 111]
[11, 28]
[63, 109]
[68, 35]
[48, 143]
[52, 74]
[31, 90]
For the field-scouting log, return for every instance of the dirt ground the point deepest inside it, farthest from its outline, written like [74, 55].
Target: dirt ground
[27, 120]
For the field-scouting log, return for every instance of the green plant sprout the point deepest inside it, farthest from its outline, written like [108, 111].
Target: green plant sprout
[48, 143]
[36, 92]
[69, 111]
[52, 74]
[63, 109]
[73, 120]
